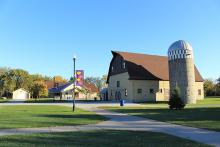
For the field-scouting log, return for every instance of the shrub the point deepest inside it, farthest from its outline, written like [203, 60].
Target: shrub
[175, 101]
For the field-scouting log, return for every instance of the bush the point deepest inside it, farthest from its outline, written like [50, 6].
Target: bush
[175, 101]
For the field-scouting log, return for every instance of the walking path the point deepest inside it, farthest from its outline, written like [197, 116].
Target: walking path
[119, 121]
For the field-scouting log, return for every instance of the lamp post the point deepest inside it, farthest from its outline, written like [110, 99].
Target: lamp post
[74, 79]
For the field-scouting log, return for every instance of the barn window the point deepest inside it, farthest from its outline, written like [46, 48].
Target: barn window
[199, 92]
[152, 91]
[118, 83]
[139, 91]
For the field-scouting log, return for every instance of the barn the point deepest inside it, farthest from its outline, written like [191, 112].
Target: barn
[141, 78]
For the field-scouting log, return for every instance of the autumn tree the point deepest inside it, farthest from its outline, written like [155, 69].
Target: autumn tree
[38, 88]
[99, 82]
[59, 79]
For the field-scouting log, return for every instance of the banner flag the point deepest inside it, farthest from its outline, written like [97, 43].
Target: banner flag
[79, 77]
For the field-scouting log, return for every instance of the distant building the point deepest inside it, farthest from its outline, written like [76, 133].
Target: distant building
[87, 91]
[51, 84]
[21, 94]
[141, 78]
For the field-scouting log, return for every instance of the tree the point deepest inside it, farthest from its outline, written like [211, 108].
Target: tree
[217, 87]
[13, 79]
[3, 70]
[84, 91]
[38, 88]
[71, 80]
[209, 87]
[59, 79]
[21, 78]
[8, 83]
[175, 101]
[99, 82]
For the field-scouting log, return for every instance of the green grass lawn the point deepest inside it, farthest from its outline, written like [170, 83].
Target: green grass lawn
[97, 139]
[206, 116]
[209, 101]
[3, 100]
[43, 116]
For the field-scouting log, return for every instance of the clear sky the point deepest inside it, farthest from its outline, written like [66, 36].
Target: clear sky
[42, 36]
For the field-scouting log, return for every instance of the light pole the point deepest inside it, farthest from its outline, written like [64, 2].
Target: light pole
[74, 81]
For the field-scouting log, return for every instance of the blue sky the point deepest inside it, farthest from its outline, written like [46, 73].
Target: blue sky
[42, 36]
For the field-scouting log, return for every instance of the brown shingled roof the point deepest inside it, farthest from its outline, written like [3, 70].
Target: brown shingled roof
[91, 87]
[156, 66]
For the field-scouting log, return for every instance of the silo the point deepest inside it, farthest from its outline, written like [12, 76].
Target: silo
[181, 70]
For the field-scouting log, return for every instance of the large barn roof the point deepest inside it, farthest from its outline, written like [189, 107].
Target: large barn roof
[157, 66]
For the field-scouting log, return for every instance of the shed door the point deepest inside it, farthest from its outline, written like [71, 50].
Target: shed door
[22, 95]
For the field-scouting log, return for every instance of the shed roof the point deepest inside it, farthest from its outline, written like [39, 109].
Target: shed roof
[21, 89]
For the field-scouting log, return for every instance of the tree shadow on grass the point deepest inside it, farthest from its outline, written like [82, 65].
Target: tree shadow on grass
[46, 120]
[76, 116]
[97, 139]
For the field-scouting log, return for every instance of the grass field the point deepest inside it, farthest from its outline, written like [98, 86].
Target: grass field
[3, 100]
[43, 116]
[203, 115]
[209, 101]
[97, 139]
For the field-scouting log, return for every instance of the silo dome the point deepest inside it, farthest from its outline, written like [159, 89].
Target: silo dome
[180, 50]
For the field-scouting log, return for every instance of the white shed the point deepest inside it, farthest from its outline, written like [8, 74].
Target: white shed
[21, 94]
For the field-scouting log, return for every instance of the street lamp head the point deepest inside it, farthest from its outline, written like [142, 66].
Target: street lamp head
[74, 57]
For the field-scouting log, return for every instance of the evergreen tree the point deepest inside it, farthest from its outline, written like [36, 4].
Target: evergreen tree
[175, 101]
